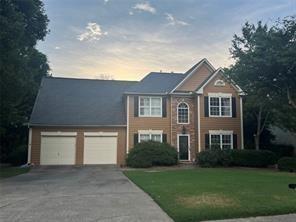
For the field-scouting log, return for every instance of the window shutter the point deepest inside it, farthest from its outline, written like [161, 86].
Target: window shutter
[136, 106]
[164, 138]
[136, 138]
[207, 141]
[234, 137]
[164, 111]
[206, 106]
[233, 100]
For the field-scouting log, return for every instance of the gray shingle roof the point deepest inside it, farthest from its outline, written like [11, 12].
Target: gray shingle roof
[63, 101]
[157, 82]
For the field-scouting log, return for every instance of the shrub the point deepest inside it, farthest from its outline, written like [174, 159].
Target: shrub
[281, 150]
[147, 154]
[247, 158]
[214, 158]
[18, 156]
[287, 164]
[253, 158]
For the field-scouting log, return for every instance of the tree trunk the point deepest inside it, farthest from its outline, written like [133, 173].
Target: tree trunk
[258, 131]
[291, 101]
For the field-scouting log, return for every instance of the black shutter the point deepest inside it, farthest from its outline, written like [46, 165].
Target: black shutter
[234, 137]
[207, 141]
[233, 107]
[164, 111]
[136, 139]
[206, 106]
[136, 106]
[164, 138]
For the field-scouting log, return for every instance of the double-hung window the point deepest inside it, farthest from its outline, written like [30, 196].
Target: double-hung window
[150, 135]
[221, 140]
[220, 105]
[150, 106]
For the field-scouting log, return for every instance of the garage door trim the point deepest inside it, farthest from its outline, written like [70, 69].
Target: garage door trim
[101, 134]
[59, 133]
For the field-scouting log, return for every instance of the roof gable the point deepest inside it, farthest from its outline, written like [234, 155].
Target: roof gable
[218, 74]
[195, 76]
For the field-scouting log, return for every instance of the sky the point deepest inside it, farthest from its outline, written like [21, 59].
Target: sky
[126, 39]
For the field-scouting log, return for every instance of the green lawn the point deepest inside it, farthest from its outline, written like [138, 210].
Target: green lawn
[12, 171]
[204, 194]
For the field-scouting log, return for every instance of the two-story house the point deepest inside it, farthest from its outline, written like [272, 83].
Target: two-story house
[79, 121]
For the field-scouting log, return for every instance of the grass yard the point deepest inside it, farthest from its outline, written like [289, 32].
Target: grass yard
[12, 171]
[210, 193]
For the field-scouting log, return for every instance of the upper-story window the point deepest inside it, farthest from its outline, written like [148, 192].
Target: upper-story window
[220, 105]
[183, 113]
[150, 106]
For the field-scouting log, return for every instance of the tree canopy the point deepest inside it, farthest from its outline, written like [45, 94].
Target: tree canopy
[22, 66]
[265, 67]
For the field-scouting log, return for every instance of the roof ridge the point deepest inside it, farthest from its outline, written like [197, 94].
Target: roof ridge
[85, 79]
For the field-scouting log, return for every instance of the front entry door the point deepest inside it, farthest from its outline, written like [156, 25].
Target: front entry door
[183, 147]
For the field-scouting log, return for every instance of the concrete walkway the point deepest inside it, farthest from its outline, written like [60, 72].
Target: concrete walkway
[100, 193]
[279, 218]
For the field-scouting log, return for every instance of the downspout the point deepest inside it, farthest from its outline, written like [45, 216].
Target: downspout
[29, 145]
[242, 123]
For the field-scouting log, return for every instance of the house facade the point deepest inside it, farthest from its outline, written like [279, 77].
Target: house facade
[80, 122]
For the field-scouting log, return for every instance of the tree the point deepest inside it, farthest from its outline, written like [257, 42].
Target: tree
[264, 67]
[22, 66]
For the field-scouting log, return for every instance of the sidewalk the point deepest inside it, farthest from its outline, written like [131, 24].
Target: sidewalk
[279, 218]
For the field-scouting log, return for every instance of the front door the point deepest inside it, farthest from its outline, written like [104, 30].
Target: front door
[183, 147]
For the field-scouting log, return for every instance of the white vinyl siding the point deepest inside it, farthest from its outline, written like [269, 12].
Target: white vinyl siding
[150, 106]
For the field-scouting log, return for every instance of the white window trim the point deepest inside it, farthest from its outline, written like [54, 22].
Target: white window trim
[139, 106]
[220, 95]
[188, 137]
[220, 133]
[150, 133]
[178, 113]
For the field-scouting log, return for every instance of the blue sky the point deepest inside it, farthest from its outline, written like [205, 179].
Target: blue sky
[127, 39]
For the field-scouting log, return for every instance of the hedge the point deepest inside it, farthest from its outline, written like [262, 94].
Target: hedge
[247, 158]
[147, 154]
[287, 164]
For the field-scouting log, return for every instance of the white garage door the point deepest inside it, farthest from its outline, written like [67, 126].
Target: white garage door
[58, 149]
[100, 148]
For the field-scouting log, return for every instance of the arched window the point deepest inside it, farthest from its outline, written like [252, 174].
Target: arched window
[183, 113]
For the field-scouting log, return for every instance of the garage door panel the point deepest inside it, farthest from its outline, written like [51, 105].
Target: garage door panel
[100, 150]
[57, 150]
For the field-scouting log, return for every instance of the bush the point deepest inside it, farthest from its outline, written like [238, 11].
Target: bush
[147, 154]
[287, 164]
[247, 158]
[281, 150]
[18, 156]
[253, 158]
[214, 158]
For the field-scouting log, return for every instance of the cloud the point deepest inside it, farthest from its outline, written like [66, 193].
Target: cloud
[57, 47]
[130, 13]
[92, 32]
[173, 21]
[146, 7]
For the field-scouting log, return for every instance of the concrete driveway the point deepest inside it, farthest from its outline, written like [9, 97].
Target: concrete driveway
[97, 193]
